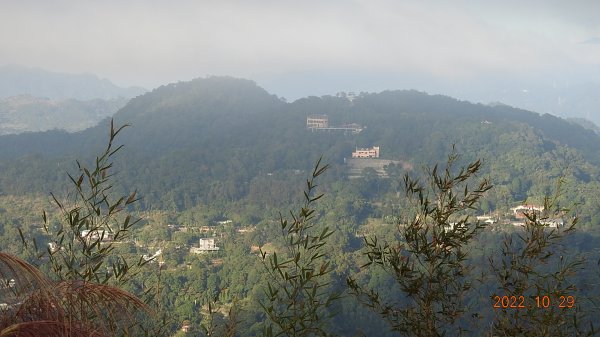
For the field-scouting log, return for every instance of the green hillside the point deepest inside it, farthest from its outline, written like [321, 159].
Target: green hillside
[222, 158]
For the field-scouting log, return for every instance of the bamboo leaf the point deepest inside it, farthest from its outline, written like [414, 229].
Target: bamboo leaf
[131, 198]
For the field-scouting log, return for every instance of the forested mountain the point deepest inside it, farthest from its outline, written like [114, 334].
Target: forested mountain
[26, 113]
[18, 80]
[212, 139]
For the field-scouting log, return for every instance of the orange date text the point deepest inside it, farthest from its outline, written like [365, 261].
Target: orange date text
[521, 302]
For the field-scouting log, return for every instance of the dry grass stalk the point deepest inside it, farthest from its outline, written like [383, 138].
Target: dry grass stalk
[36, 306]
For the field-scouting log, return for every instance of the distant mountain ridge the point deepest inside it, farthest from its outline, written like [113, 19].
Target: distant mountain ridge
[566, 100]
[18, 80]
[26, 113]
[228, 108]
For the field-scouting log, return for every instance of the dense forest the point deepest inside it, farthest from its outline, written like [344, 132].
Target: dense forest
[222, 158]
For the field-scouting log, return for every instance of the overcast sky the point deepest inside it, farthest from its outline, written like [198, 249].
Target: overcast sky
[295, 48]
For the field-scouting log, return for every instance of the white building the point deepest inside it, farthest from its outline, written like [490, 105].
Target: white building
[205, 245]
[520, 211]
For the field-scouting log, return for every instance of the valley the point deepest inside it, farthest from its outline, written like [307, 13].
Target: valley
[217, 162]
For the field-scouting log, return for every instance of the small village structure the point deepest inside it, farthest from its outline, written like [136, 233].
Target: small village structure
[94, 235]
[520, 211]
[517, 217]
[553, 223]
[205, 245]
[488, 219]
[151, 258]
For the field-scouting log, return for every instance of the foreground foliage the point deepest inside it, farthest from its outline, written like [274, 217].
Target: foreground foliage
[34, 305]
[83, 246]
[299, 293]
[87, 272]
[428, 260]
[534, 268]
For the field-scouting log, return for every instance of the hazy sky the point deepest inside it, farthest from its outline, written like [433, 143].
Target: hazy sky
[295, 48]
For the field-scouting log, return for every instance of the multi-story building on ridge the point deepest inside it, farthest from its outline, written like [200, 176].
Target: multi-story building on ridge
[321, 123]
[317, 121]
[366, 153]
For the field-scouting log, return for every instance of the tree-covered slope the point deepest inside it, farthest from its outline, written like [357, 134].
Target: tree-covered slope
[224, 139]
